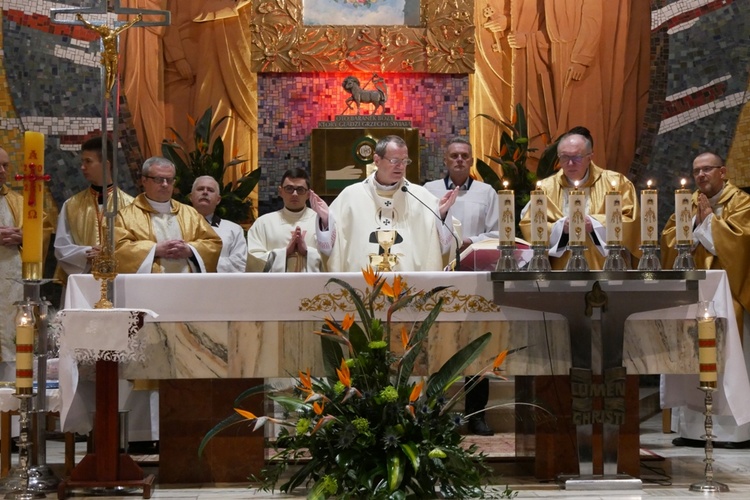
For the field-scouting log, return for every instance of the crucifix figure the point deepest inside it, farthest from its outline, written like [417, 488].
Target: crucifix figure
[110, 54]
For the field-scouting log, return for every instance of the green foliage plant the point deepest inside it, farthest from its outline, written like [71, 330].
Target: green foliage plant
[368, 429]
[207, 158]
[512, 156]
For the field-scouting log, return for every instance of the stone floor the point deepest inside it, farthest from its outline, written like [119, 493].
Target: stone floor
[666, 471]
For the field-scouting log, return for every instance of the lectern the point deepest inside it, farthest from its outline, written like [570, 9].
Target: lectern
[596, 301]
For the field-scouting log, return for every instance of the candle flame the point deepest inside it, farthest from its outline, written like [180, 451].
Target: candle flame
[538, 184]
[614, 185]
[683, 182]
[575, 183]
[648, 184]
[505, 184]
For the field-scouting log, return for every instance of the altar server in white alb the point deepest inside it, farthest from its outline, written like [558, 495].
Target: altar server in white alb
[476, 204]
[385, 200]
[284, 241]
[205, 197]
[82, 223]
[156, 234]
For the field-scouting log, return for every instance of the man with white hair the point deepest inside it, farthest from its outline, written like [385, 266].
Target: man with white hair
[205, 197]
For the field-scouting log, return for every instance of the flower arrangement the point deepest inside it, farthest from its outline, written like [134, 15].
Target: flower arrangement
[208, 159]
[368, 429]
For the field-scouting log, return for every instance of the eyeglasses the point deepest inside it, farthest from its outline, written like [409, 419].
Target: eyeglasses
[396, 161]
[704, 170]
[160, 180]
[292, 189]
[574, 159]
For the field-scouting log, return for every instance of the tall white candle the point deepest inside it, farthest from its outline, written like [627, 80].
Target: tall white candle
[539, 227]
[507, 215]
[683, 214]
[649, 216]
[613, 213]
[577, 216]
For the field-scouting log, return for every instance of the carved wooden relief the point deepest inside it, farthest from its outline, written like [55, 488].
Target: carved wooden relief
[444, 44]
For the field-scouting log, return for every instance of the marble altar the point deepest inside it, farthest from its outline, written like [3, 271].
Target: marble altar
[219, 326]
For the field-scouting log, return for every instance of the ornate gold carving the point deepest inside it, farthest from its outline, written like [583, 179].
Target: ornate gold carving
[453, 302]
[445, 44]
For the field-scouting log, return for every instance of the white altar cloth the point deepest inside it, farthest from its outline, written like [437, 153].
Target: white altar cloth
[267, 297]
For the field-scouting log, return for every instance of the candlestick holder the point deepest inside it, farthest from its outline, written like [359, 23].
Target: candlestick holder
[649, 260]
[507, 261]
[539, 259]
[577, 261]
[614, 260]
[38, 478]
[20, 488]
[684, 260]
[708, 485]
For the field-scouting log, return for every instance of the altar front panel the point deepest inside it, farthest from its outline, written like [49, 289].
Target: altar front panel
[251, 325]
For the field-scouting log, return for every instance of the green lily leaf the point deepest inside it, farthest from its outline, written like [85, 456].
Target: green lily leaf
[395, 471]
[450, 371]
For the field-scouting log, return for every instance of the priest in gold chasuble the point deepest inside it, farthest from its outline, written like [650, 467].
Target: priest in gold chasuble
[721, 234]
[156, 234]
[574, 151]
[82, 224]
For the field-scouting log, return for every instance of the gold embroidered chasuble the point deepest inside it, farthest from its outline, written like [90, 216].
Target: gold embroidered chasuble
[86, 221]
[10, 275]
[599, 182]
[135, 236]
[730, 232]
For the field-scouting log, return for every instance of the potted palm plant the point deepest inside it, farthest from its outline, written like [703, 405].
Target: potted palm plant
[207, 158]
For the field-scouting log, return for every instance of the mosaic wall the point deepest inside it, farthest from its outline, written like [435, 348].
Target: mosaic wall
[49, 81]
[293, 104]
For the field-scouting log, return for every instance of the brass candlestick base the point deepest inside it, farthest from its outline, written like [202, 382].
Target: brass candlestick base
[540, 259]
[649, 261]
[684, 260]
[577, 260]
[614, 260]
[708, 485]
[507, 261]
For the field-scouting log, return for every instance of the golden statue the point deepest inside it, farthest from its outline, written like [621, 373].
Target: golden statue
[110, 56]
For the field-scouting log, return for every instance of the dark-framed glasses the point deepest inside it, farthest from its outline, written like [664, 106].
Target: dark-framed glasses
[160, 180]
[301, 190]
[704, 170]
[396, 161]
[574, 159]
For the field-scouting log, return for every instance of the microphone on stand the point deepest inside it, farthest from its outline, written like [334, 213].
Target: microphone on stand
[458, 242]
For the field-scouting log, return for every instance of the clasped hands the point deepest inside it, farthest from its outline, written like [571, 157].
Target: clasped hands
[10, 236]
[704, 208]
[173, 249]
[297, 244]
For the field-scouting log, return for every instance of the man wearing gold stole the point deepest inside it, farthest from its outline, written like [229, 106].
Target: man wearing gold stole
[82, 224]
[574, 151]
[11, 287]
[721, 240]
[349, 233]
[284, 240]
[156, 234]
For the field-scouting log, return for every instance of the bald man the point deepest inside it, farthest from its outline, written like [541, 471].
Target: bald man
[721, 240]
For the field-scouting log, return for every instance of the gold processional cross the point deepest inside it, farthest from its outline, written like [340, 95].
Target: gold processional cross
[104, 268]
